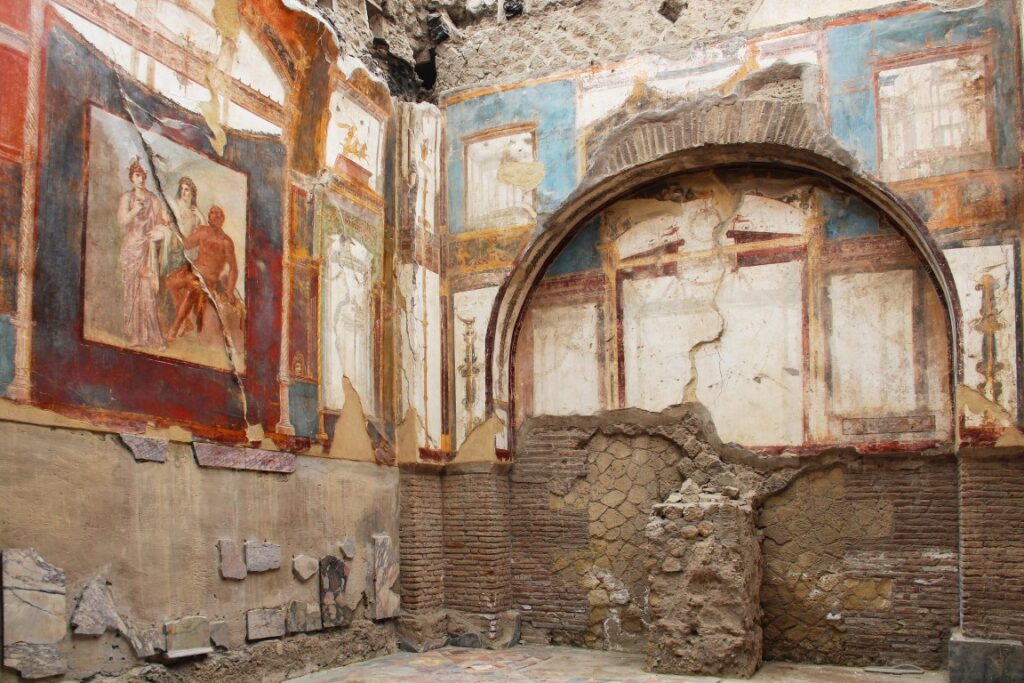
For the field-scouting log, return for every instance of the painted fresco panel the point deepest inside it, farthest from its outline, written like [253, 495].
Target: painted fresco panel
[10, 219]
[71, 371]
[303, 328]
[547, 107]
[426, 159]
[420, 346]
[347, 321]
[775, 300]
[855, 49]
[13, 76]
[501, 174]
[355, 142]
[871, 345]
[566, 366]
[162, 276]
[986, 281]
[472, 311]
[933, 118]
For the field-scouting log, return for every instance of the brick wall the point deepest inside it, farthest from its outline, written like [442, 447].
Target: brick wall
[477, 539]
[421, 531]
[547, 459]
[992, 519]
[861, 563]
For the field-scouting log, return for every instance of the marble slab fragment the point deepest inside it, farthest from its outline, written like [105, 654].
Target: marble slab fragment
[228, 457]
[146, 449]
[146, 641]
[261, 556]
[34, 613]
[95, 613]
[220, 635]
[188, 637]
[385, 573]
[305, 567]
[33, 660]
[27, 570]
[304, 617]
[232, 564]
[334, 608]
[263, 623]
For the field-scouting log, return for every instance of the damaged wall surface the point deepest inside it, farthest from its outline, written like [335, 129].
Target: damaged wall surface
[297, 364]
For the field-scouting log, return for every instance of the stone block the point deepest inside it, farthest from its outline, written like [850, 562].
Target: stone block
[187, 637]
[305, 567]
[34, 609]
[228, 457]
[95, 613]
[145, 449]
[261, 556]
[232, 565]
[334, 608]
[220, 635]
[264, 623]
[348, 548]
[977, 660]
[385, 573]
[304, 617]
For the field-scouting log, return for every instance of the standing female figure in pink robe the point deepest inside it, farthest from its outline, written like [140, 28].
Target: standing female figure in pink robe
[141, 217]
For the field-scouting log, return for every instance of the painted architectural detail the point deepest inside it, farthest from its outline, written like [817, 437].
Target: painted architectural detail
[501, 175]
[934, 118]
[355, 141]
[347, 327]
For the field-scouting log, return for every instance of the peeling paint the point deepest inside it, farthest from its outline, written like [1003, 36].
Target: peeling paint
[973, 400]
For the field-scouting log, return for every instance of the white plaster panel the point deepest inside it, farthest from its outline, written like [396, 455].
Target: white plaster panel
[663, 317]
[420, 340]
[566, 368]
[752, 379]
[347, 323]
[871, 343]
[472, 314]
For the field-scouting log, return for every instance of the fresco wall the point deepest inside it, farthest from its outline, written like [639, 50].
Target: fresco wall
[195, 201]
[713, 288]
[849, 344]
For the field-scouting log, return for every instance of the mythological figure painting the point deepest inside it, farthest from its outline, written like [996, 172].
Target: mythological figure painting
[165, 247]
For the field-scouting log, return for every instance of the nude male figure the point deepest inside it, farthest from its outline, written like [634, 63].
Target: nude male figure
[216, 265]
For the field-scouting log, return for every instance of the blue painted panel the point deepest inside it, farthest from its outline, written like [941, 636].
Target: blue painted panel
[6, 352]
[853, 49]
[303, 409]
[580, 254]
[847, 217]
[551, 106]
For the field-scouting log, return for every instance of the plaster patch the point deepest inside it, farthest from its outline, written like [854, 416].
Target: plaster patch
[351, 440]
[479, 444]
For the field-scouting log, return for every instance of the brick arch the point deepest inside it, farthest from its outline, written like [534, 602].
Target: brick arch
[691, 137]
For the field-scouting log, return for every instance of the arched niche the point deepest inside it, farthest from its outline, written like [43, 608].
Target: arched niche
[690, 137]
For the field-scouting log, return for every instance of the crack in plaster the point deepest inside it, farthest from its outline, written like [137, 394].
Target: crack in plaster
[229, 347]
[728, 203]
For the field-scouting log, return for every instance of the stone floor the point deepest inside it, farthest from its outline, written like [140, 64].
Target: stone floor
[537, 663]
